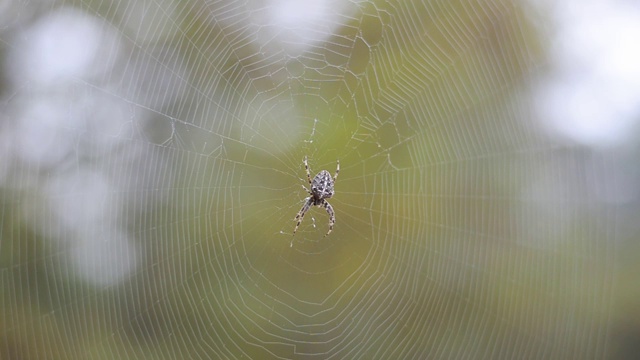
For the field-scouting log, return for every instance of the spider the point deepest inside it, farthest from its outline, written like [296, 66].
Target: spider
[321, 189]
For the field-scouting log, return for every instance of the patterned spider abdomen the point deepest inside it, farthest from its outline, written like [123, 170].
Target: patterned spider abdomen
[322, 185]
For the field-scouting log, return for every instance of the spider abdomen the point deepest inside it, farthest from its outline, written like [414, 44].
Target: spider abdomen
[322, 185]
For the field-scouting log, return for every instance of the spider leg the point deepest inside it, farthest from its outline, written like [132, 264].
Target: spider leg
[332, 215]
[300, 216]
[306, 166]
[337, 172]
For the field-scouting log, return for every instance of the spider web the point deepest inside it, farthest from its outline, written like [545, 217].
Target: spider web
[152, 164]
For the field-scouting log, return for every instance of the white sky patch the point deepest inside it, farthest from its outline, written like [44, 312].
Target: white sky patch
[106, 260]
[57, 56]
[297, 25]
[593, 97]
[66, 44]
[84, 205]
[293, 14]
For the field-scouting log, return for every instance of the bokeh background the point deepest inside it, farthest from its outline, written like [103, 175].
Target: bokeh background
[151, 167]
